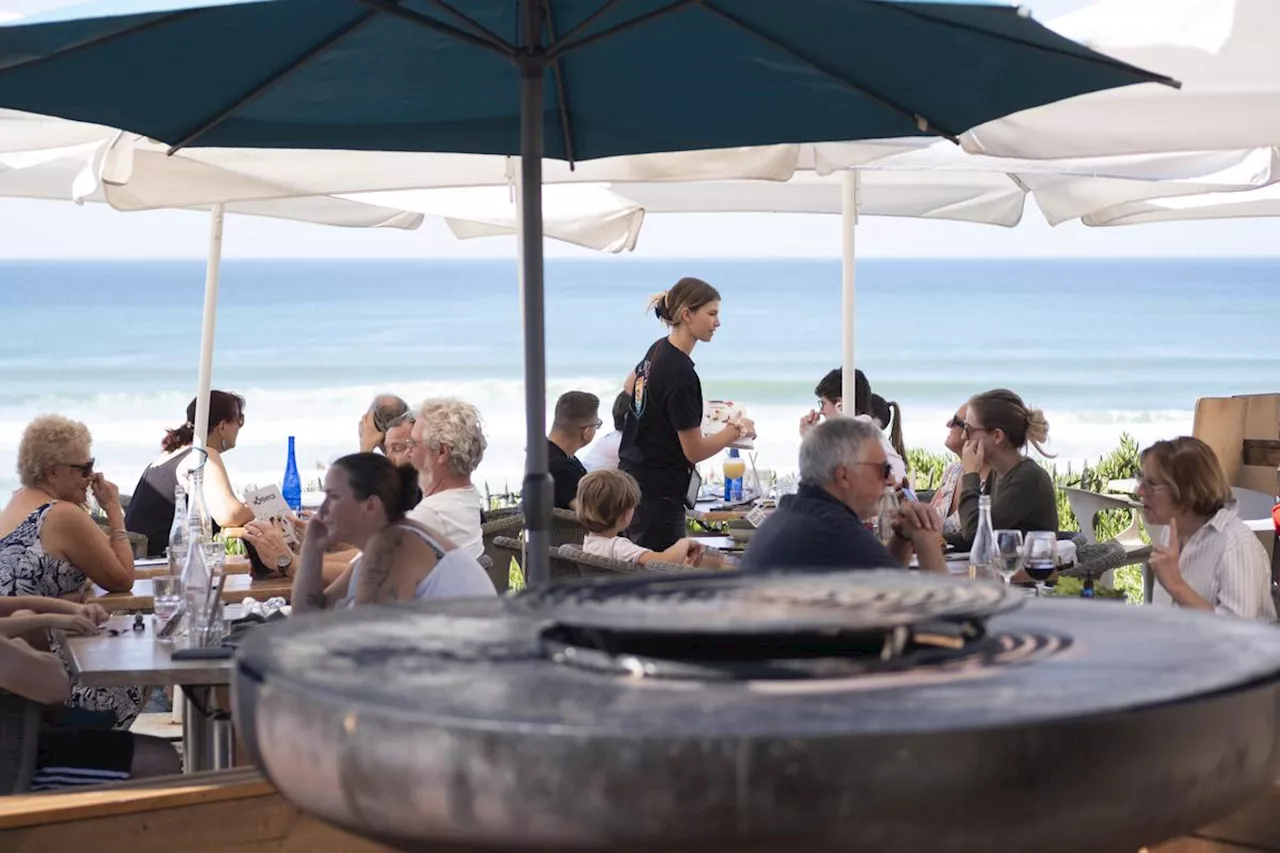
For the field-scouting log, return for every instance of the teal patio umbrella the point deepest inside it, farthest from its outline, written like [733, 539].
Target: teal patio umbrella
[568, 79]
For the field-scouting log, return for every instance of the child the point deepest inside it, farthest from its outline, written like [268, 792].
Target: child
[607, 499]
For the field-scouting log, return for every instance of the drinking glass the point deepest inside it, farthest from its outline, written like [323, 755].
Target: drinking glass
[166, 591]
[205, 627]
[1040, 557]
[1008, 553]
[215, 556]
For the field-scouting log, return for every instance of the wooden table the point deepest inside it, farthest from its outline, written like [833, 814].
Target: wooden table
[152, 567]
[238, 588]
[703, 512]
[135, 658]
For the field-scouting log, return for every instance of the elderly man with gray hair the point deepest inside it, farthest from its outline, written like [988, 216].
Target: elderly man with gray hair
[377, 419]
[843, 474]
[446, 446]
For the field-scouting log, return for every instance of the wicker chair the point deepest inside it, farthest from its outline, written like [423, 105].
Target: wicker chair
[592, 566]
[566, 529]
[19, 729]
[562, 568]
[504, 526]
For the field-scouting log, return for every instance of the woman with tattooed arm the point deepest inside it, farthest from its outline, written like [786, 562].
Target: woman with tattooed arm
[365, 500]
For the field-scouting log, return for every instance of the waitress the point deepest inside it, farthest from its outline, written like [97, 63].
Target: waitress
[662, 439]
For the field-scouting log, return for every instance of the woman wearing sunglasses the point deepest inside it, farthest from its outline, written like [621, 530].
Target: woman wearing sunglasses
[151, 508]
[997, 429]
[946, 498]
[50, 547]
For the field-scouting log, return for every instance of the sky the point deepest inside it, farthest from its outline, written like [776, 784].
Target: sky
[55, 229]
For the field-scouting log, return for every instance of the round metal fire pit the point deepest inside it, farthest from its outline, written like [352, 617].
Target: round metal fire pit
[859, 711]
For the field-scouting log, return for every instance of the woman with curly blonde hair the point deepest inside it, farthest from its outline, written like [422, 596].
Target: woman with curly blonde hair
[50, 547]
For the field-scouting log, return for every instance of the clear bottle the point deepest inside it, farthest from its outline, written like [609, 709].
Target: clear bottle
[179, 539]
[199, 522]
[291, 487]
[982, 555]
[886, 513]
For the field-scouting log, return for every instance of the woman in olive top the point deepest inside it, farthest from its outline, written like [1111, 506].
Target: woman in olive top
[662, 439]
[997, 428]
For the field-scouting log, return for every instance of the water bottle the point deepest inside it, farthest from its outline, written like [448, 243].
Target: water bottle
[179, 538]
[199, 522]
[982, 555]
[1087, 591]
[291, 488]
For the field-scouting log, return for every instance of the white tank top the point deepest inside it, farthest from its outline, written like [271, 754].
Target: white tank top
[456, 573]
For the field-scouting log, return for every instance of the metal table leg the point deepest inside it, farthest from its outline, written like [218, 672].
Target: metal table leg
[208, 739]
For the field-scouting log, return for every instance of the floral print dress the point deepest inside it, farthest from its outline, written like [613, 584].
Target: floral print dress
[26, 569]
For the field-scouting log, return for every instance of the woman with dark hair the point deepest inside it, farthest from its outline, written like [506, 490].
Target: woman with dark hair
[365, 501]
[997, 428]
[1211, 560]
[888, 416]
[662, 439]
[151, 507]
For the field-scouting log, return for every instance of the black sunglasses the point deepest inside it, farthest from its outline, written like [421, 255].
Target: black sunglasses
[956, 422]
[86, 469]
[886, 468]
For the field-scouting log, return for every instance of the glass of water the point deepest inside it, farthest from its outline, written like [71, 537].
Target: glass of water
[1008, 556]
[166, 591]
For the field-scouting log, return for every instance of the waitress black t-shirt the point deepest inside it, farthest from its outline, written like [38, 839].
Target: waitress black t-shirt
[667, 399]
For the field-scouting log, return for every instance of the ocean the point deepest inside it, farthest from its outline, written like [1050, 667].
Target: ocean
[1103, 346]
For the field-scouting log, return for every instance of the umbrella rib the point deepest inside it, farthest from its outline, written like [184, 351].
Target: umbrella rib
[923, 123]
[488, 34]
[488, 41]
[566, 45]
[1094, 57]
[266, 85]
[591, 19]
[561, 99]
[103, 39]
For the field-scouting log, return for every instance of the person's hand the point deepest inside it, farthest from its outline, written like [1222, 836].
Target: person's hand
[299, 524]
[1164, 561]
[809, 421]
[370, 436]
[693, 557]
[318, 536]
[918, 522]
[268, 542]
[78, 625]
[95, 613]
[973, 457]
[105, 492]
[746, 428]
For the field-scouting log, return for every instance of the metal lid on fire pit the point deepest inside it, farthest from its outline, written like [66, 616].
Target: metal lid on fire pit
[753, 714]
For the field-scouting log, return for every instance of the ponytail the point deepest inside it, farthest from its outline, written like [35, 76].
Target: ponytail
[407, 498]
[895, 432]
[658, 305]
[1038, 431]
[177, 437]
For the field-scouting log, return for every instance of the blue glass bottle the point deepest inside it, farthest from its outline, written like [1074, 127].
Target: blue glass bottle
[291, 488]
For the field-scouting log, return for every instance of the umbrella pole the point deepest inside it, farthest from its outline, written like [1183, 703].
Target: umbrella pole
[212, 270]
[850, 181]
[537, 492]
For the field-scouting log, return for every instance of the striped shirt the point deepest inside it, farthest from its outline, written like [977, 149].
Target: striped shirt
[1226, 565]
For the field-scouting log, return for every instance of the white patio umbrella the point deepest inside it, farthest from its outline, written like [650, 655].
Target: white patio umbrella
[1240, 204]
[1223, 52]
[903, 178]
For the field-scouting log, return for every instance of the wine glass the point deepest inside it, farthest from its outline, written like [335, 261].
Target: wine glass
[1008, 556]
[1040, 557]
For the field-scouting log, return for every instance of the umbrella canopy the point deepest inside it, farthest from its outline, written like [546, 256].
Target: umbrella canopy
[570, 79]
[1238, 204]
[1223, 52]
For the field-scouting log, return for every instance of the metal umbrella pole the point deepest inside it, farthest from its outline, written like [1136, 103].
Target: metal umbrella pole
[537, 491]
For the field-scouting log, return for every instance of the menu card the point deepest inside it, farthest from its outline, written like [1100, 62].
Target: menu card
[717, 413]
[268, 505]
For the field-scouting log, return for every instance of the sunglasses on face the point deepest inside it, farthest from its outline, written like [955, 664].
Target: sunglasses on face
[956, 423]
[886, 468]
[86, 468]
